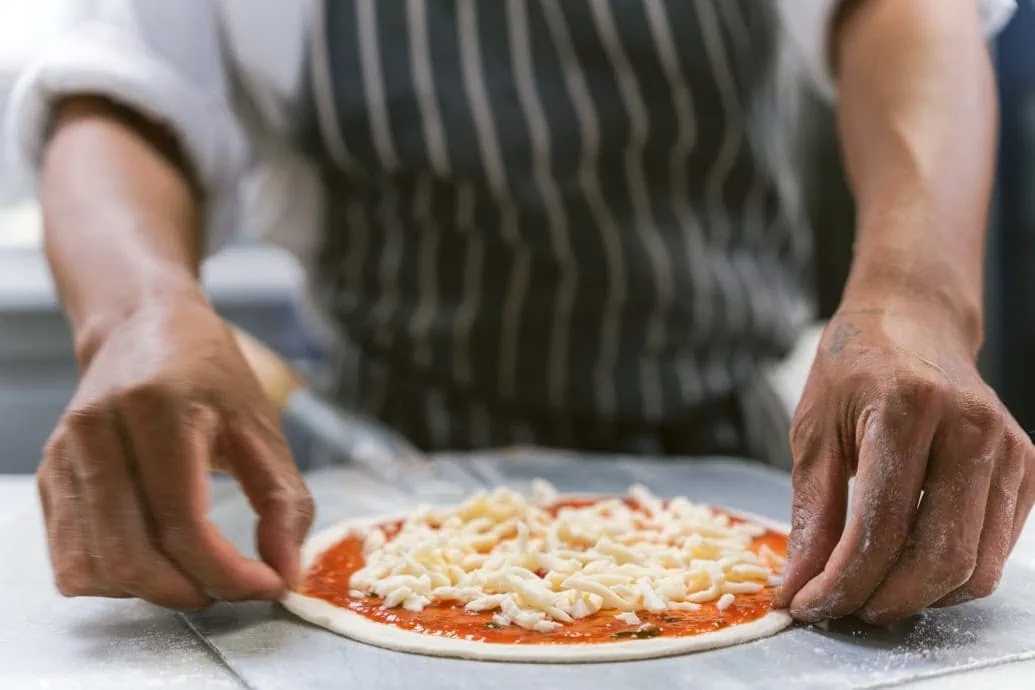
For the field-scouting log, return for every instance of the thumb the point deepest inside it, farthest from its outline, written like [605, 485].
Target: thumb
[276, 492]
[820, 480]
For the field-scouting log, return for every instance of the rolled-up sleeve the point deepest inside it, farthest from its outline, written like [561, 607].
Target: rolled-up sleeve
[808, 24]
[161, 58]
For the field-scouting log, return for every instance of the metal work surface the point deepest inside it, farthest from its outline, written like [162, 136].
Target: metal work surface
[64, 644]
[270, 649]
[50, 642]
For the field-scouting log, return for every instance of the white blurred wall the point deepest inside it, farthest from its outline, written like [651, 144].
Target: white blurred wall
[25, 25]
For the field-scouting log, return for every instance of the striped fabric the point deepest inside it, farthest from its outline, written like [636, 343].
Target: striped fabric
[562, 222]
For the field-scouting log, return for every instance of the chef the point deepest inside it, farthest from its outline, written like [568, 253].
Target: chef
[571, 224]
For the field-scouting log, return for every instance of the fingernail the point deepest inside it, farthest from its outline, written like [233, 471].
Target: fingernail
[810, 614]
[869, 616]
[291, 578]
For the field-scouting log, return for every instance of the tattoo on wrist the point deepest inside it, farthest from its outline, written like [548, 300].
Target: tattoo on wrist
[870, 311]
[844, 333]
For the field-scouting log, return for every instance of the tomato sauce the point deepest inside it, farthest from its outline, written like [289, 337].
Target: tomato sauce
[328, 579]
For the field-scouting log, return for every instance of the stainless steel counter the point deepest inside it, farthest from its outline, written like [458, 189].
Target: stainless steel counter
[49, 642]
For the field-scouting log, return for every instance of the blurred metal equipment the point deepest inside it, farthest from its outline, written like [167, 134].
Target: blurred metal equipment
[342, 435]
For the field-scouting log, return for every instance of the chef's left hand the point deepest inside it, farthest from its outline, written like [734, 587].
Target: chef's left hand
[944, 476]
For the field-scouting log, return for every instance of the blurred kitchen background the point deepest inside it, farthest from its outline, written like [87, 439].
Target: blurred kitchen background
[259, 288]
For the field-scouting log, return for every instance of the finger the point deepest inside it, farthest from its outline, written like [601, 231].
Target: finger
[1009, 502]
[124, 554]
[276, 493]
[997, 535]
[67, 537]
[1026, 493]
[893, 450]
[820, 479]
[173, 447]
[942, 548]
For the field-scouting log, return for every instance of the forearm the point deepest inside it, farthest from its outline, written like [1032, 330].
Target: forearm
[121, 219]
[917, 116]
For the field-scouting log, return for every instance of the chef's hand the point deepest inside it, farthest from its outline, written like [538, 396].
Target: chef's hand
[124, 479]
[944, 476]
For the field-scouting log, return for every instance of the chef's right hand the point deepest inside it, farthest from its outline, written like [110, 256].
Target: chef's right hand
[124, 480]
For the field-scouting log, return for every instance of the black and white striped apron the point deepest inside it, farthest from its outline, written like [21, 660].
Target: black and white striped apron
[558, 222]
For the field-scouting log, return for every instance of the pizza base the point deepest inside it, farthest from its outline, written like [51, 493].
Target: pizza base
[362, 629]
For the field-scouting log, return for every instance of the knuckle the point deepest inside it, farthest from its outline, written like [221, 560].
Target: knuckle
[123, 572]
[306, 509]
[91, 470]
[1017, 445]
[955, 565]
[1007, 483]
[809, 491]
[291, 495]
[864, 378]
[979, 415]
[44, 479]
[1026, 493]
[178, 536]
[889, 546]
[265, 424]
[144, 396]
[917, 391]
[801, 520]
[803, 429]
[892, 537]
[1025, 458]
[888, 538]
[55, 445]
[83, 420]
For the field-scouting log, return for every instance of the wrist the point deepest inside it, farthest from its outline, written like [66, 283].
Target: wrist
[932, 293]
[93, 328]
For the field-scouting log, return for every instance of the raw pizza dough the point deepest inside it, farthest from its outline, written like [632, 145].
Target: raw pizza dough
[362, 629]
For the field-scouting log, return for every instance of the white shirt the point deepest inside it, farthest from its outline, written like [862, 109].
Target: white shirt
[225, 75]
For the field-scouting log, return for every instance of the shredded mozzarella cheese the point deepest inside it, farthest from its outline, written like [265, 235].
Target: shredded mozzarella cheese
[504, 553]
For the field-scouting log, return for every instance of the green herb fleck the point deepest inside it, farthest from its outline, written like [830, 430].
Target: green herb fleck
[493, 625]
[642, 633]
